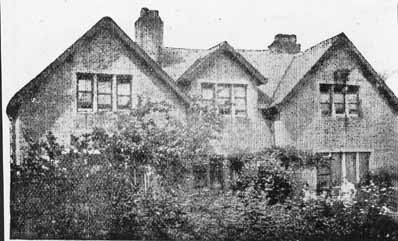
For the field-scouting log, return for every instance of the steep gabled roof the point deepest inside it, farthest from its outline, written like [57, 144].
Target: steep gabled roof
[30, 89]
[302, 64]
[206, 58]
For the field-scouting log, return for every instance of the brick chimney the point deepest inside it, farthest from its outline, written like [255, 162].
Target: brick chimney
[285, 43]
[149, 33]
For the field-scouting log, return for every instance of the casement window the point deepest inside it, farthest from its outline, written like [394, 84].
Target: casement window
[104, 92]
[339, 100]
[100, 87]
[208, 93]
[231, 99]
[123, 91]
[240, 100]
[350, 165]
[85, 91]
[224, 99]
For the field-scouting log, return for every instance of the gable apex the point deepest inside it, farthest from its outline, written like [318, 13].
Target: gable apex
[30, 89]
[223, 47]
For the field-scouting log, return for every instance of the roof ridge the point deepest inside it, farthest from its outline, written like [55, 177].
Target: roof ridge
[334, 38]
[169, 47]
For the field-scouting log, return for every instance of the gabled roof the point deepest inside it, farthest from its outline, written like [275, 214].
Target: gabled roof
[207, 57]
[302, 64]
[30, 89]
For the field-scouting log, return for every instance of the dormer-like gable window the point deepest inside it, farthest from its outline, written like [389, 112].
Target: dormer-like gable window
[339, 98]
[230, 99]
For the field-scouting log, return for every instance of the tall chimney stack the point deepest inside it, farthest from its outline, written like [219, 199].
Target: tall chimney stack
[285, 43]
[149, 33]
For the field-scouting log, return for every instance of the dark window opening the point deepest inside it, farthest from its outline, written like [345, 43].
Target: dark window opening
[123, 91]
[85, 91]
[104, 92]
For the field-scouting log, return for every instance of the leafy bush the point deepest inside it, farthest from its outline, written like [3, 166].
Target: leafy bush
[91, 190]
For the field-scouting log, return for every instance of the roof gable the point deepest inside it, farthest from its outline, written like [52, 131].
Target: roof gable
[30, 89]
[203, 61]
[308, 61]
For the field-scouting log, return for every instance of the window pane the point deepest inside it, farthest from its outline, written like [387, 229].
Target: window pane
[363, 163]
[104, 101]
[224, 106]
[85, 85]
[325, 88]
[123, 102]
[339, 108]
[240, 104]
[85, 100]
[353, 109]
[336, 168]
[240, 91]
[338, 98]
[104, 87]
[325, 98]
[224, 91]
[123, 89]
[123, 84]
[350, 162]
[352, 98]
[207, 91]
[326, 109]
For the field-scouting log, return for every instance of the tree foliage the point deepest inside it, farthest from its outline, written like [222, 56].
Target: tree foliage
[131, 183]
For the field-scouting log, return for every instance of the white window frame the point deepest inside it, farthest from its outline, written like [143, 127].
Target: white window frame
[94, 91]
[344, 164]
[332, 103]
[216, 86]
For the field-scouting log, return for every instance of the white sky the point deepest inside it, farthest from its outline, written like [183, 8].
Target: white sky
[34, 33]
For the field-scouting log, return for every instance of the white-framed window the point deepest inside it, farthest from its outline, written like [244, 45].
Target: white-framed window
[104, 92]
[339, 100]
[96, 92]
[231, 99]
[85, 95]
[351, 165]
[123, 92]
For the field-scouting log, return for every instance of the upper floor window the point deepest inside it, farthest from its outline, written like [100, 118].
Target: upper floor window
[99, 87]
[104, 92]
[339, 100]
[123, 91]
[231, 99]
[85, 91]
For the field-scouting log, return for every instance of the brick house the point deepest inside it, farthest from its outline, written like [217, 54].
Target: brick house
[327, 99]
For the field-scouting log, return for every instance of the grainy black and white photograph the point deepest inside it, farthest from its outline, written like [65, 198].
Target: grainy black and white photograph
[200, 120]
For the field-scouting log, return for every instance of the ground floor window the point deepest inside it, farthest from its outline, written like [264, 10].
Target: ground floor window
[209, 174]
[350, 165]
